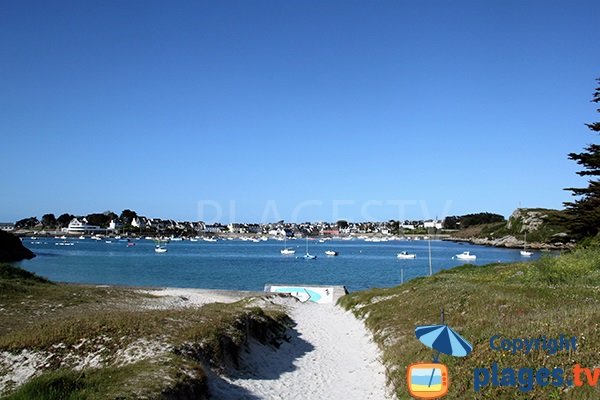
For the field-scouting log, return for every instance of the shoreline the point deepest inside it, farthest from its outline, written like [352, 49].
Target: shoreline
[510, 242]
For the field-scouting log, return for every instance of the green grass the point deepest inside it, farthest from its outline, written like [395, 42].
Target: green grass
[549, 297]
[142, 380]
[71, 321]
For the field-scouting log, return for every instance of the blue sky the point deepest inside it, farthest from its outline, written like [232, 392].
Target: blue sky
[306, 110]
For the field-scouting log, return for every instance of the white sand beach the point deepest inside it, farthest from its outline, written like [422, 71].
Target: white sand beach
[330, 355]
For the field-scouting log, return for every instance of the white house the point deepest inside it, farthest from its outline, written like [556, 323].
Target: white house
[114, 225]
[7, 227]
[432, 224]
[78, 227]
[277, 232]
[137, 223]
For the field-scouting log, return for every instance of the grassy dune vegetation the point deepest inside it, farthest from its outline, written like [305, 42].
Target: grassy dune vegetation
[549, 297]
[137, 352]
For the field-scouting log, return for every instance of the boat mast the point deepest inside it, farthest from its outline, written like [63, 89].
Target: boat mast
[429, 246]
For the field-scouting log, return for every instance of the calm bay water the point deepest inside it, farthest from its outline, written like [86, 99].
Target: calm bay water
[240, 265]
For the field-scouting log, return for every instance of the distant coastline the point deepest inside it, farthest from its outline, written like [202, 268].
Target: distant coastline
[510, 242]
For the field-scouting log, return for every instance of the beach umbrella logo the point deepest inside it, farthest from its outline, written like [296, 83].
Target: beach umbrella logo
[431, 380]
[443, 339]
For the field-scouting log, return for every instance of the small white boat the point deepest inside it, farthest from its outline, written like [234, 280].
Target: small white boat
[193, 240]
[465, 255]
[160, 249]
[209, 239]
[308, 256]
[286, 251]
[81, 237]
[403, 255]
[331, 253]
[524, 252]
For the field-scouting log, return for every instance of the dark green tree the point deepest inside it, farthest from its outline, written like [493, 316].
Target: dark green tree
[48, 220]
[64, 219]
[342, 224]
[127, 216]
[98, 219]
[452, 222]
[584, 213]
[479, 219]
[27, 223]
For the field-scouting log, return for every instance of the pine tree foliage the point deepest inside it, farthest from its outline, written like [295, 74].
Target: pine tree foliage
[584, 212]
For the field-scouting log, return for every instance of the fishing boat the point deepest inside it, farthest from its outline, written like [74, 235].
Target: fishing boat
[403, 255]
[466, 256]
[524, 252]
[331, 253]
[286, 251]
[160, 247]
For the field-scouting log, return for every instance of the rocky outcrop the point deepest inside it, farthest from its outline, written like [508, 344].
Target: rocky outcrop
[544, 228]
[11, 248]
[512, 242]
[527, 220]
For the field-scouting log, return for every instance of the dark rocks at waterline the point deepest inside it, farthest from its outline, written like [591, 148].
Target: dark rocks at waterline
[11, 248]
[511, 242]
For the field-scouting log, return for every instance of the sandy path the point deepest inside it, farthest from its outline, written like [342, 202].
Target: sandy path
[330, 355]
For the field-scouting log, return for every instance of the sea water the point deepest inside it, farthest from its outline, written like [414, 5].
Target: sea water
[243, 265]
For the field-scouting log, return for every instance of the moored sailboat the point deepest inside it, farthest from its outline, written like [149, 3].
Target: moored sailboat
[524, 252]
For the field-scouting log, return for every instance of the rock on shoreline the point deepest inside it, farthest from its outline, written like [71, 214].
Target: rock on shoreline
[512, 242]
[12, 250]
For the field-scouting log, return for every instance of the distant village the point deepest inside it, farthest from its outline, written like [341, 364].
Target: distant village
[129, 223]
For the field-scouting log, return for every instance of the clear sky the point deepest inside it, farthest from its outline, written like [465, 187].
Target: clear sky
[296, 110]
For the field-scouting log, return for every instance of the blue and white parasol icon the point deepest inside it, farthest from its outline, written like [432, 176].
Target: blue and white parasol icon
[443, 339]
